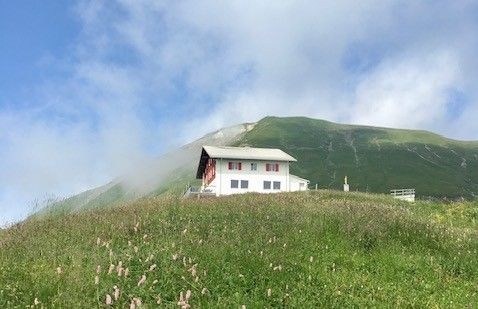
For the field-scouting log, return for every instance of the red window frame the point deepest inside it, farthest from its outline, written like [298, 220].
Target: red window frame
[272, 167]
[234, 165]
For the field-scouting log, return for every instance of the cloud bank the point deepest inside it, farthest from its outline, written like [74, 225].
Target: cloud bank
[144, 76]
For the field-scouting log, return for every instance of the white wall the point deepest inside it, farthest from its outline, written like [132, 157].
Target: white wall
[297, 184]
[222, 183]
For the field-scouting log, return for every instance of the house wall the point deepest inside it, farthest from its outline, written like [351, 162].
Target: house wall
[221, 184]
[297, 184]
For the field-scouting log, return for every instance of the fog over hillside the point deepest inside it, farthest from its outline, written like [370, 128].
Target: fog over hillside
[98, 89]
[375, 159]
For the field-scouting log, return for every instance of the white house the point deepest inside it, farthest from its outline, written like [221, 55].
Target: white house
[231, 170]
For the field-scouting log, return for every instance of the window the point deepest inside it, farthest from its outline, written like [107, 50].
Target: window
[272, 167]
[276, 185]
[253, 166]
[267, 185]
[244, 184]
[234, 184]
[234, 165]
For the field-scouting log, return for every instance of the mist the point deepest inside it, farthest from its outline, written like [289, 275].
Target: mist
[142, 78]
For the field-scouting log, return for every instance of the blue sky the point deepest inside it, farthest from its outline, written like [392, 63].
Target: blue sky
[89, 88]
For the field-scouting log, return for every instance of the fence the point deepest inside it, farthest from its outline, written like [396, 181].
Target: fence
[404, 194]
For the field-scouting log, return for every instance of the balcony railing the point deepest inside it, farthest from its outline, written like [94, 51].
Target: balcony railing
[196, 192]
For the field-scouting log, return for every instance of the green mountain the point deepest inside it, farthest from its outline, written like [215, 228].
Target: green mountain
[374, 159]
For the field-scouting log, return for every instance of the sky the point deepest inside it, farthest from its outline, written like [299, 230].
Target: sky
[90, 88]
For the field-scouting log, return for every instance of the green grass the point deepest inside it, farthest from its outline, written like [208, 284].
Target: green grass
[315, 249]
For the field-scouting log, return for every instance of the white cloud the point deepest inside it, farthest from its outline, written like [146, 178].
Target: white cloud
[146, 75]
[411, 92]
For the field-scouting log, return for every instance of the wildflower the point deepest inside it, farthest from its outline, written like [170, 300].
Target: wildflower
[188, 295]
[184, 302]
[135, 249]
[130, 243]
[181, 299]
[243, 307]
[117, 292]
[98, 241]
[203, 291]
[97, 280]
[108, 300]
[175, 257]
[36, 301]
[58, 270]
[98, 269]
[132, 305]
[200, 242]
[126, 272]
[142, 280]
[185, 231]
[193, 270]
[110, 270]
[120, 271]
[152, 267]
[159, 300]
[155, 281]
[311, 259]
[138, 301]
[269, 292]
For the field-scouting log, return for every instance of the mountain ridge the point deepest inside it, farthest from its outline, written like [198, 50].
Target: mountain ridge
[376, 159]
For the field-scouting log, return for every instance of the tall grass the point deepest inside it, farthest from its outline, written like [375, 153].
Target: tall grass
[297, 250]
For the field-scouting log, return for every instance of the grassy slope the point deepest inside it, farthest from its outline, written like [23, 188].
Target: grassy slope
[375, 159]
[316, 249]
